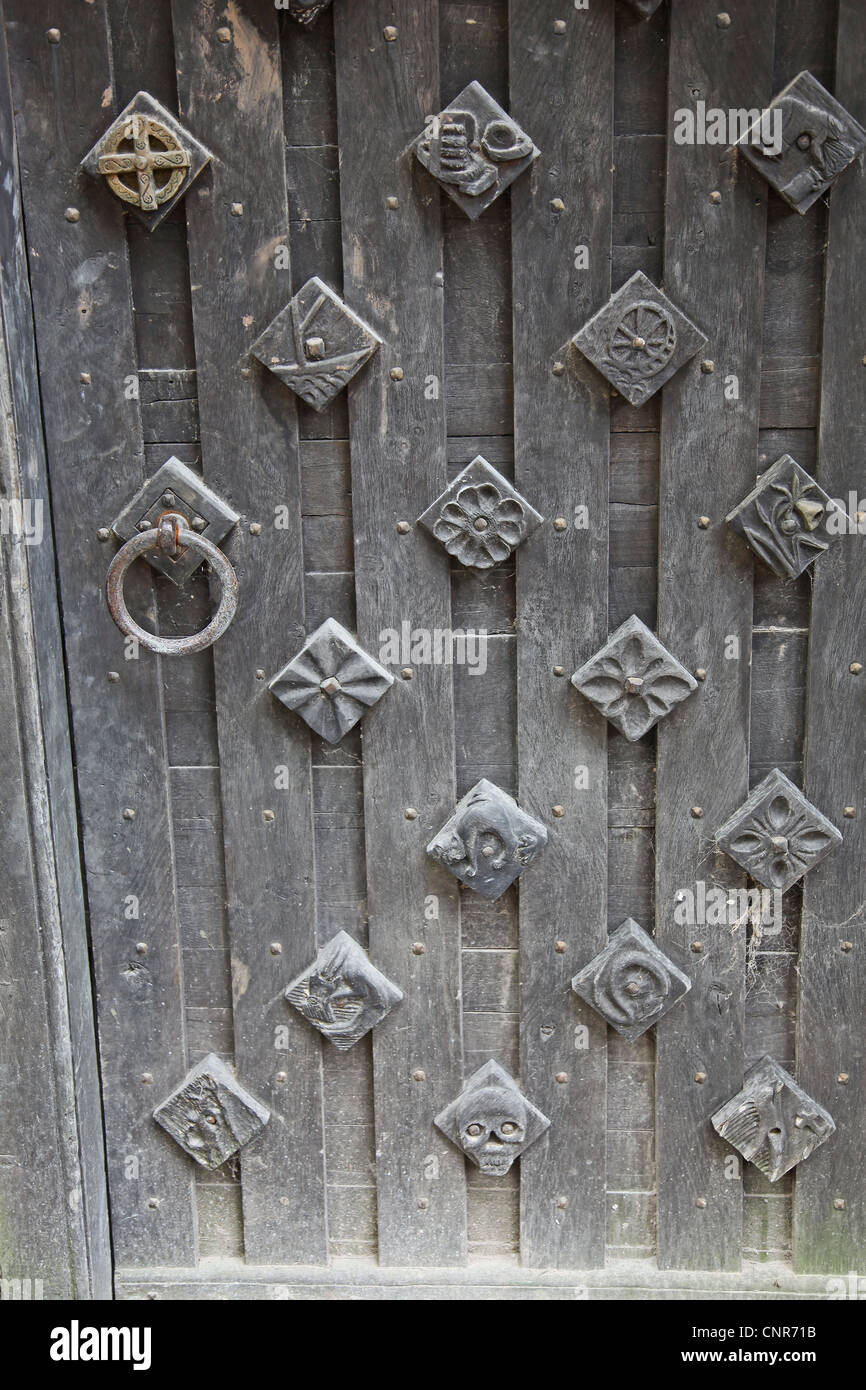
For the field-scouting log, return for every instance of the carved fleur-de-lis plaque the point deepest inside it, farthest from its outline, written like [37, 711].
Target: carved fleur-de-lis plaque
[474, 149]
[316, 345]
[634, 680]
[638, 339]
[777, 835]
[148, 159]
[480, 518]
[488, 841]
[210, 1114]
[491, 1120]
[174, 487]
[787, 519]
[804, 142]
[772, 1121]
[631, 982]
[332, 681]
[342, 993]
[305, 11]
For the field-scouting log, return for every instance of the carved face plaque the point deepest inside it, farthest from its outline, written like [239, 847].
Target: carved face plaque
[148, 159]
[787, 519]
[474, 149]
[638, 339]
[491, 1121]
[332, 682]
[777, 835]
[634, 680]
[342, 993]
[316, 345]
[772, 1121]
[631, 982]
[305, 11]
[176, 486]
[488, 841]
[480, 518]
[819, 139]
[210, 1114]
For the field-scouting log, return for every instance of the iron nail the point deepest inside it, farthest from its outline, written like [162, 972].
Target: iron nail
[128, 813]
[557, 205]
[723, 20]
[559, 523]
[276, 948]
[114, 677]
[849, 812]
[561, 1077]
[224, 35]
[703, 523]
[419, 1075]
[418, 948]
[846, 946]
[562, 1203]
[708, 366]
[267, 815]
[697, 812]
[391, 204]
[407, 673]
[390, 33]
[260, 675]
[558, 368]
[839, 1203]
[697, 947]
[53, 35]
[141, 948]
[103, 534]
[700, 1077]
[410, 813]
[715, 196]
[255, 528]
[559, 26]
[85, 378]
[237, 209]
[72, 214]
[560, 947]
[281, 1078]
[700, 674]
[403, 528]
[147, 1078]
[843, 1078]
[423, 1203]
[559, 812]
[701, 1202]
[396, 373]
[559, 670]
[855, 668]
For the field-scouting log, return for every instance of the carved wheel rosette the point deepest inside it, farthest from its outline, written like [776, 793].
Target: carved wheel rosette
[778, 835]
[480, 527]
[138, 173]
[634, 681]
[643, 341]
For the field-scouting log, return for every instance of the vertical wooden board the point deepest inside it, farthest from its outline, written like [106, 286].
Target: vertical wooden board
[237, 215]
[562, 95]
[81, 293]
[714, 256]
[831, 1040]
[392, 259]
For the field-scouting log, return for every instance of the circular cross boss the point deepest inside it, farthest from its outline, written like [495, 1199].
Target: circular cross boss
[644, 339]
[138, 172]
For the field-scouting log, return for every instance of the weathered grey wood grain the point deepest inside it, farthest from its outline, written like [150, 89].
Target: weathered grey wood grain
[713, 269]
[81, 293]
[830, 1040]
[391, 261]
[561, 463]
[237, 218]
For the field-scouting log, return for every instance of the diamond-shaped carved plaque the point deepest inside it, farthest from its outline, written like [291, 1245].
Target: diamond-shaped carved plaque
[631, 983]
[332, 682]
[342, 993]
[175, 487]
[480, 518]
[804, 150]
[316, 345]
[305, 11]
[148, 159]
[488, 841]
[474, 149]
[491, 1120]
[787, 519]
[777, 835]
[634, 680]
[210, 1114]
[638, 339]
[772, 1121]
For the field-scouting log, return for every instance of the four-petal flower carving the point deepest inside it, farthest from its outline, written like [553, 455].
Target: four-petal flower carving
[777, 835]
[634, 680]
[332, 682]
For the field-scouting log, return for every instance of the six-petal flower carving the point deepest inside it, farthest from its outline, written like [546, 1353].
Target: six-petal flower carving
[634, 680]
[777, 835]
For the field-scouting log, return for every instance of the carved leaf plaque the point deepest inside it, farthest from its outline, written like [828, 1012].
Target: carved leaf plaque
[148, 159]
[491, 1120]
[316, 345]
[474, 149]
[785, 518]
[777, 835]
[305, 11]
[816, 140]
[332, 682]
[342, 993]
[176, 488]
[480, 518]
[634, 680]
[631, 982]
[772, 1121]
[488, 841]
[638, 339]
[210, 1114]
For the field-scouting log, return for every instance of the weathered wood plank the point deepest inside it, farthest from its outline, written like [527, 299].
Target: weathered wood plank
[562, 431]
[391, 262]
[232, 93]
[830, 1039]
[713, 258]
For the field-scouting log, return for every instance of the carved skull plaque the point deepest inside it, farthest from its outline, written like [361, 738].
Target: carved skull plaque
[772, 1121]
[342, 993]
[491, 1120]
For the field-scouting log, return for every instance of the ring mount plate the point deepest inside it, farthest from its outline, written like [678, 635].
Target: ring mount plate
[175, 487]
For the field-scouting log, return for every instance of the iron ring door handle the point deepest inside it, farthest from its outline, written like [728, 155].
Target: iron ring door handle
[172, 534]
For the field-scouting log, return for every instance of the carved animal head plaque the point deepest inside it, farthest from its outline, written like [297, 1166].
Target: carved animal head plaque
[777, 835]
[305, 11]
[787, 519]
[316, 345]
[638, 339]
[474, 149]
[176, 487]
[491, 1120]
[772, 1121]
[634, 680]
[480, 518]
[148, 159]
[819, 139]
[332, 682]
[210, 1114]
[488, 841]
[342, 993]
[631, 982]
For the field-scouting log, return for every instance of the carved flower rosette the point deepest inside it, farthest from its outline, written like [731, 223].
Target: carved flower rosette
[634, 680]
[778, 835]
[480, 527]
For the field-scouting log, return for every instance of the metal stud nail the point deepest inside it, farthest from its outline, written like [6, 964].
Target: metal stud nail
[255, 528]
[396, 373]
[141, 948]
[559, 670]
[103, 534]
[85, 378]
[403, 528]
[267, 815]
[697, 947]
[559, 523]
[557, 205]
[559, 812]
[723, 20]
[839, 1203]
[843, 1078]
[147, 1078]
[410, 813]
[708, 366]
[700, 1077]
[701, 1202]
[849, 812]
[855, 668]
[697, 812]
[72, 214]
[715, 196]
[419, 1075]
[276, 948]
[559, 26]
[703, 523]
[558, 369]
[561, 1077]
[53, 35]
[418, 948]
[391, 204]
[281, 1078]
[407, 673]
[846, 946]
[560, 947]
[423, 1203]
[128, 813]
[114, 677]
[561, 1203]
[390, 33]
[700, 674]
[224, 35]
[237, 209]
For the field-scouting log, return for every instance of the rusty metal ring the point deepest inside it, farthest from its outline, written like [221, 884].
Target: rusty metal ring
[172, 646]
